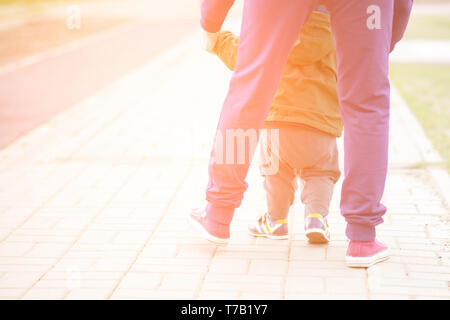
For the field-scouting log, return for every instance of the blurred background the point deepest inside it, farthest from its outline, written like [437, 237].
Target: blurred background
[106, 39]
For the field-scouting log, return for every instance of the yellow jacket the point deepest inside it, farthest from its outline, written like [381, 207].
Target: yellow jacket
[307, 93]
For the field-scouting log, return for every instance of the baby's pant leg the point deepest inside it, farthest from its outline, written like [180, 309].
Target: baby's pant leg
[319, 181]
[280, 191]
[280, 179]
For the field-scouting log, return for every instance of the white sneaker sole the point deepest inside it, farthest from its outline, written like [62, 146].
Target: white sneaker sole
[269, 236]
[206, 234]
[365, 262]
[316, 235]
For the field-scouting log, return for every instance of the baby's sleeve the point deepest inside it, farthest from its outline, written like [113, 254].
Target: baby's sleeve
[226, 48]
[316, 41]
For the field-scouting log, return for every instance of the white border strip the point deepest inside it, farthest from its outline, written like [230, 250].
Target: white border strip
[423, 144]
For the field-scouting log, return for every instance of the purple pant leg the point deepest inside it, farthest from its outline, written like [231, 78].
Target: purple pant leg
[402, 11]
[269, 30]
[362, 30]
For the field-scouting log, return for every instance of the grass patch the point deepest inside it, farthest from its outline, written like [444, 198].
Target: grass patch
[426, 89]
[435, 27]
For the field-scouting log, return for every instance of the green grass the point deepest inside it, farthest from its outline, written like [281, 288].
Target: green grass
[426, 89]
[435, 27]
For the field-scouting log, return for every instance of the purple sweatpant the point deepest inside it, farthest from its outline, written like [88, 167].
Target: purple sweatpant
[363, 33]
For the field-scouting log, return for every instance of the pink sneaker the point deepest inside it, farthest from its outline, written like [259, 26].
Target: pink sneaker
[363, 254]
[214, 232]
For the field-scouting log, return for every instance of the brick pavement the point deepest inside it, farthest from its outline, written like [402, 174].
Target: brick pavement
[94, 205]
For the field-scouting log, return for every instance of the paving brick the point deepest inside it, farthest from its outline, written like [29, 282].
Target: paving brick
[218, 295]
[15, 249]
[142, 294]
[245, 284]
[88, 294]
[45, 294]
[429, 275]
[41, 238]
[387, 296]
[23, 267]
[430, 261]
[54, 283]
[324, 268]
[136, 236]
[25, 261]
[326, 296]
[175, 281]
[97, 236]
[389, 269]
[160, 251]
[12, 221]
[141, 280]
[4, 232]
[112, 263]
[40, 222]
[11, 293]
[305, 285]
[336, 253]
[47, 250]
[432, 297]
[82, 274]
[268, 267]
[173, 261]
[413, 291]
[189, 251]
[107, 249]
[48, 232]
[169, 268]
[345, 285]
[74, 264]
[252, 255]
[427, 268]
[273, 295]
[416, 283]
[18, 279]
[308, 253]
[72, 225]
[18, 211]
[229, 266]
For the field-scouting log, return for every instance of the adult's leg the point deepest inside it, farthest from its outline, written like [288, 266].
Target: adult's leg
[269, 30]
[362, 30]
[402, 11]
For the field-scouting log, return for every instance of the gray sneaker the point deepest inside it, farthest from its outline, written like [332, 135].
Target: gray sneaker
[268, 228]
[316, 228]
